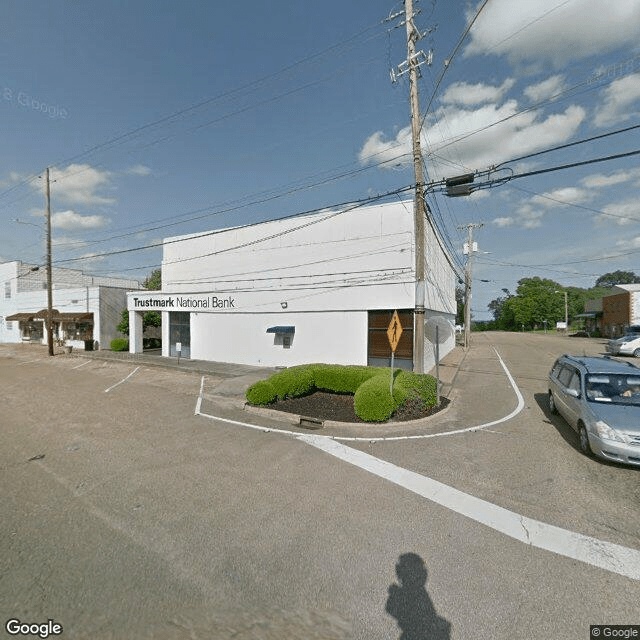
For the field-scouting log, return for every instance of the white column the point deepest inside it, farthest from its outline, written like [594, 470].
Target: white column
[165, 334]
[135, 331]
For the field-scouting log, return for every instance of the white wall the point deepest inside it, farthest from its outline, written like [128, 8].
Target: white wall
[337, 337]
[9, 331]
[634, 304]
[351, 261]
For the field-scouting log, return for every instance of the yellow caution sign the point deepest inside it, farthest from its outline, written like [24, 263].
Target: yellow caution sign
[394, 331]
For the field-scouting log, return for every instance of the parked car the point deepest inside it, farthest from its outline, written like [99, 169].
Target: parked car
[600, 399]
[628, 345]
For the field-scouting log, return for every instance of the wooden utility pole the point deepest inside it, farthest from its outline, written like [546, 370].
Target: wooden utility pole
[49, 274]
[419, 212]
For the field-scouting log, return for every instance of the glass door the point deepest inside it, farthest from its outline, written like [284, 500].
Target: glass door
[180, 333]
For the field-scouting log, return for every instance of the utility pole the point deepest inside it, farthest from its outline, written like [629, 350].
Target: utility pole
[469, 249]
[411, 65]
[566, 311]
[49, 275]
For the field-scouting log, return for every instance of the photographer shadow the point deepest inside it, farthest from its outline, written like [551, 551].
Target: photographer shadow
[410, 604]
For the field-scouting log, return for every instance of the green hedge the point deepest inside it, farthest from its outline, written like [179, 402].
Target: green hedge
[119, 344]
[373, 401]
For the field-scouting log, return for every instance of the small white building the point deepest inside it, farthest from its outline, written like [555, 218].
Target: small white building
[320, 287]
[86, 309]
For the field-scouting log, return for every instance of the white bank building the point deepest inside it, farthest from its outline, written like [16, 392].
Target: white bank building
[86, 309]
[320, 287]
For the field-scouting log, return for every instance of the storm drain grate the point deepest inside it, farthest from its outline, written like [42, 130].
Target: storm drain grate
[310, 423]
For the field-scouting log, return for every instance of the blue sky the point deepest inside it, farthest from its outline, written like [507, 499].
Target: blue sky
[202, 115]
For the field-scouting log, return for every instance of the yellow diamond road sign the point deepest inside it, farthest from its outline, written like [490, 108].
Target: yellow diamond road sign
[394, 331]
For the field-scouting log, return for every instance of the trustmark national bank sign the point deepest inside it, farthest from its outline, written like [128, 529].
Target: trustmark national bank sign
[168, 302]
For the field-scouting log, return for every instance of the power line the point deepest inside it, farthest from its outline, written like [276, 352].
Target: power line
[577, 206]
[571, 165]
[570, 144]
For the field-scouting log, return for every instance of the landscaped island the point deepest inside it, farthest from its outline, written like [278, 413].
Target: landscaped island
[370, 386]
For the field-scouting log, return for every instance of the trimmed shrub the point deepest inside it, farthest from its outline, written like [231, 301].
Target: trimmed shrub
[293, 382]
[370, 385]
[342, 379]
[419, 386]
[261, 393]
[373, 401]
[119, 344]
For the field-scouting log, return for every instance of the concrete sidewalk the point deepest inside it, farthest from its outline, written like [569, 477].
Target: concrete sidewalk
[236, 375]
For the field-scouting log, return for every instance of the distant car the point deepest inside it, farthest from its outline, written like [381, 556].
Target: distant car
[600, 399]
[628, 345]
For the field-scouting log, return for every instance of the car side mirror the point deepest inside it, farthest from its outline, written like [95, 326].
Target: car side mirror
[574, 393]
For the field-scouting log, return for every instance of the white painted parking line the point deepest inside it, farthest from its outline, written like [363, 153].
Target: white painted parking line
[30, 361]
[82, 365]
[121, 381]
[199, 402]
[598, 553]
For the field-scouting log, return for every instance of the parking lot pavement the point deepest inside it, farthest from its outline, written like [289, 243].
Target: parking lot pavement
[187, 512]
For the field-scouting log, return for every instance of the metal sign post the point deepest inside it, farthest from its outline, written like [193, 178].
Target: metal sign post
[393, 333]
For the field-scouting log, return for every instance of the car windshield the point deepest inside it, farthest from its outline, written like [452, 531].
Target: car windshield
[617, 388]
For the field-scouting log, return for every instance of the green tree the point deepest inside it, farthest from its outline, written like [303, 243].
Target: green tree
[500, 311]
[617, 277]
[152, 282]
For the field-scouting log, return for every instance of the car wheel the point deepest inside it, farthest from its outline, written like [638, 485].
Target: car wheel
[636, 353]
[552, 404]
[583, 438]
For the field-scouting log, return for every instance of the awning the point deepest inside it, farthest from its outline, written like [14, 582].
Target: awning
[21, 317]
[56, 315]
[281, 330]
[73, 317]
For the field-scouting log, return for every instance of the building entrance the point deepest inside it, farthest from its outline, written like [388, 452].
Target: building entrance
[180, 333]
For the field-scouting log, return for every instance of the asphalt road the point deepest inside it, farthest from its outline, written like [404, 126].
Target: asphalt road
[124, 515]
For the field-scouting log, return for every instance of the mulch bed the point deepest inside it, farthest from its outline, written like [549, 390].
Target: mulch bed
[325, 405]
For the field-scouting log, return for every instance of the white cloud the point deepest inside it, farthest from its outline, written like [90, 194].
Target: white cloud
[504, 222]
[600, 180]
[565, 195]
[621, 213]
[618, 101]
[526, 217]
[457, 139]
[71, 220]
[631, 243]
[553, 32]
[465, 94]
[80, 184]
[139, 170]
[545, 89]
